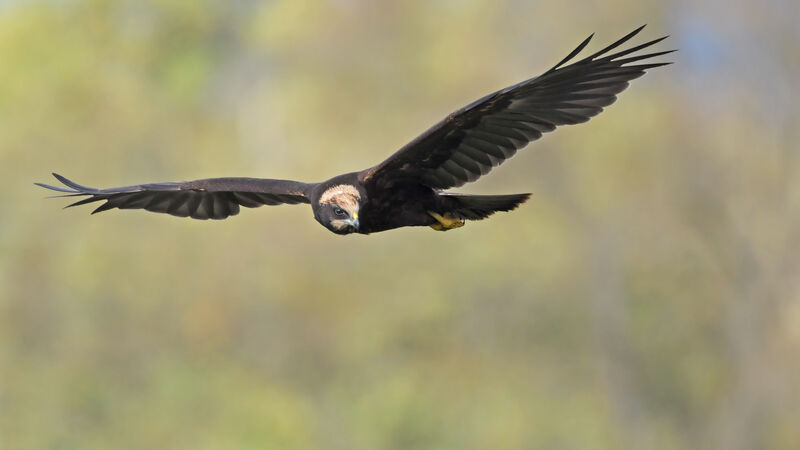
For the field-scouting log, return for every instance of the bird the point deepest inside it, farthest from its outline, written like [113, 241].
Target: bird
[410, 187]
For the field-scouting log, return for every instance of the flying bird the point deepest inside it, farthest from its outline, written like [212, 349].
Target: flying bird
[408, 188]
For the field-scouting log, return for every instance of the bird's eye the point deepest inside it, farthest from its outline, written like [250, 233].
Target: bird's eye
[338, 211]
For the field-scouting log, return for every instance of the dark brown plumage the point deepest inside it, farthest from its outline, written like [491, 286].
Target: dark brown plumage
[406, 189]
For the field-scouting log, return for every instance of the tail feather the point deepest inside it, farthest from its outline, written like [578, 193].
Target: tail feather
[477, 207]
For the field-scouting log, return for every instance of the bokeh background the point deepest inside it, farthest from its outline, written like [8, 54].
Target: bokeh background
[646, 297]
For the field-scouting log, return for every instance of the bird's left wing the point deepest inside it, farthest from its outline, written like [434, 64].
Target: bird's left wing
[480, 136]
[211, 198]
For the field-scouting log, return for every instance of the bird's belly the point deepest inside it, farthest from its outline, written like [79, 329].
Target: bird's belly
[397, 212]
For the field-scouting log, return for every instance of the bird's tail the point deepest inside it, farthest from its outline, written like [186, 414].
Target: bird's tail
[476, 207]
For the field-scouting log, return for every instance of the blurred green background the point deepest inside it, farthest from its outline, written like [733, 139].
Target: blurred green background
[646, 297]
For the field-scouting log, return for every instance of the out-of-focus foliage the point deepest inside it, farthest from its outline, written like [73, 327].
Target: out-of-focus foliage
[646, 297]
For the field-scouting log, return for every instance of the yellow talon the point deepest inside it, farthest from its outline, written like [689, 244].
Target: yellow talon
[446, 221]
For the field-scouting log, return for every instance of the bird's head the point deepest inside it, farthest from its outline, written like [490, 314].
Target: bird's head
[337, 209]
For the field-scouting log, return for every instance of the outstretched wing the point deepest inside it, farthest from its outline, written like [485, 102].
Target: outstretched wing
[480, 136]
[211, 198]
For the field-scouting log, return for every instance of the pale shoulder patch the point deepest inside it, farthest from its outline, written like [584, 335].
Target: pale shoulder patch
[344, 195]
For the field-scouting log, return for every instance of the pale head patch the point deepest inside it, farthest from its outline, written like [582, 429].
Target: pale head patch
[344, 196]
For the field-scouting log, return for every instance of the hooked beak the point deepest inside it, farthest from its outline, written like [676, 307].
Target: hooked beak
[354, 221]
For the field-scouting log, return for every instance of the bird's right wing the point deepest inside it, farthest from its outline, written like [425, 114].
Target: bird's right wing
[211, 198]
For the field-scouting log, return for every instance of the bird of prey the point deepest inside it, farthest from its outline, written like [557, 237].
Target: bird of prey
[408, 188]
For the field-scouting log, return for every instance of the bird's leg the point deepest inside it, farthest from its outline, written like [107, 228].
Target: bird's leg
[446, 221]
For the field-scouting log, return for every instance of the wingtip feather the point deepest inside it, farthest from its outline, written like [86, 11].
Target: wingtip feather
[55, 188]
[573, 53]
[616, 44]
[84, 201]
[72, 184]
[104, 207]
